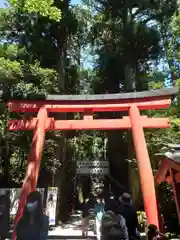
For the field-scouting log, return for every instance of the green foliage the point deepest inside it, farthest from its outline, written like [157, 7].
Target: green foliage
[29, 59]
[27, 82]
[175, 24]
[156, 77]
[123, 38]
[142, 220]
[156, 85]
[10, 71]
[88, 146]
[44, 7]
[174, 46]
[157, 140]
[30, 78]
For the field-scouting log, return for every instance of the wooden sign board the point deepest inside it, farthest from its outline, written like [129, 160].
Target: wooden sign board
[81, 164]
[92, 171]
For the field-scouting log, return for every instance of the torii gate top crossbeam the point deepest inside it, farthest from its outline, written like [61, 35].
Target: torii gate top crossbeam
[162, 93]
[157, 99]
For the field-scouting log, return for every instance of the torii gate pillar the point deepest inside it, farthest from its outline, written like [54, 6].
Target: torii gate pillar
[34, 159]
[144, 166]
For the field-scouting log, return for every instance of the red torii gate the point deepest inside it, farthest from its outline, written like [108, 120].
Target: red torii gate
[89, 104]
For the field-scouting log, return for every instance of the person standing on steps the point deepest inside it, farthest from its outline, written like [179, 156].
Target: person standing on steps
[85, 217]
[33, 225]
[99, 212]
[111, 203]
[130, 215]
[113, 224]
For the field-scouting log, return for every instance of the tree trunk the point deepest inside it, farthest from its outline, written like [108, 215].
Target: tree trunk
[117, 149]
[5, 156]
[62, 211]
[67, 177]
[169, 60]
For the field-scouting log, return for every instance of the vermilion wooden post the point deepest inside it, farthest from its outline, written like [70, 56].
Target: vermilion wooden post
[34, 159]
[145, 171]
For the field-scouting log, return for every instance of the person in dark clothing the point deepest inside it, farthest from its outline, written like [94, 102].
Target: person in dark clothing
[130, 215]
[92, 201]
[154, 234]
[4, 216]
[111, 204]
[113, 223]
[85, 217]
[33, 224]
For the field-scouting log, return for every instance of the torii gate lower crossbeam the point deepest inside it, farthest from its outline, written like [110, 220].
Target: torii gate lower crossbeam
[89, 105]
